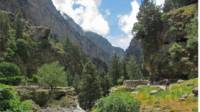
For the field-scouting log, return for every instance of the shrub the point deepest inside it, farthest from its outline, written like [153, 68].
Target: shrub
[10, 102]
[5, 96]
[10, 73]
[9, 69]
[118, 102]
[11, 80]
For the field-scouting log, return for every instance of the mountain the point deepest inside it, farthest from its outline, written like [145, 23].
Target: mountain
[104, 44]
[43, 12]
[135, 49]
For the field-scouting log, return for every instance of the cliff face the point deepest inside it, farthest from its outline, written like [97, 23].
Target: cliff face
[104, 44]
[135, 49]
[43, 12]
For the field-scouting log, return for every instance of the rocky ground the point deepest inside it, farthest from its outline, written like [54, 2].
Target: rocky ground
[64, 99]
[178, 97]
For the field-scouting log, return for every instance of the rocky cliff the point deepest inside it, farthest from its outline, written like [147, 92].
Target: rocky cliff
[43, 12]
[135, 49]
[104, 44]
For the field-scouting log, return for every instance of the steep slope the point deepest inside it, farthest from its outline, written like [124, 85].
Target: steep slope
[135, 49]
[43, 12]
[104, 44]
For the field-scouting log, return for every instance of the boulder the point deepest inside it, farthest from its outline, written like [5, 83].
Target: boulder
[180, 81]
[195, 91]
[184, 97]
[153, 92]
[40, 33]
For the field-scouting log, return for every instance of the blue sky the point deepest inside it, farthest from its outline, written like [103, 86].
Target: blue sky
[115, 9]
[112, 19]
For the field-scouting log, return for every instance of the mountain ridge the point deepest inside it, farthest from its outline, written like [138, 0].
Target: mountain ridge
[44, 13]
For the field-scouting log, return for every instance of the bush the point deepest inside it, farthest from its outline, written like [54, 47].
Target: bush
[118, 102]
[5, 96]
[10, 102]
[10, 73]
[9, 69]
[11, 80]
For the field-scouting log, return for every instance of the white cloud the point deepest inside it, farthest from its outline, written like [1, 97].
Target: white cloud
[126, 23]
[121, 41]
[86, 13]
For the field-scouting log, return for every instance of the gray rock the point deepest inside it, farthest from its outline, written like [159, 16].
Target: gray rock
[184, 97]
[195, 91]
[180, 81]
[153, 92]
[40, 33]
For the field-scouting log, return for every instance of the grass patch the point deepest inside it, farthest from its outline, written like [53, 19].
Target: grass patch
[167, 100]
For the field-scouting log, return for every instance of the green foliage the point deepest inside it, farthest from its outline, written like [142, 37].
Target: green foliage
[89, 87]
[52, 75]
[15, 80]
[10, 102]
[23, 48]
[133, 69]
[118, 102]
[176, 51]
[19, 25]
[192, 43]
[4, 31]
[169, 40]
[114, 70]
[9, 69]
[174, 4]
[105, 83]
[10, 73]
[73, 61]
[148, 30]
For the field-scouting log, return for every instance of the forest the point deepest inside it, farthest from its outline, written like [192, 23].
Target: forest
[41, 73]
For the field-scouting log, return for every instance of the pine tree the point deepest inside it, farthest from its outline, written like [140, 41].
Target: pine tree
[4, 31]
[133, 69]
[114, 70]
[124, 69]
[73, 60]
[19, 25]
[89, 88]
[148, 30]
[105, 83]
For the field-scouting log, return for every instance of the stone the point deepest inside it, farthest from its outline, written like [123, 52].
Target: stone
[134, 92]
[183, 97]
[153, 92]
[195, 91]
[40, 33]
[180, 81]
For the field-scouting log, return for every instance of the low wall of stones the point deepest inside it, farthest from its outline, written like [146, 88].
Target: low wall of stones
[134, 83]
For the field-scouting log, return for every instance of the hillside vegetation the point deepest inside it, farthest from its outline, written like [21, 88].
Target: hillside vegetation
[169, 100]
